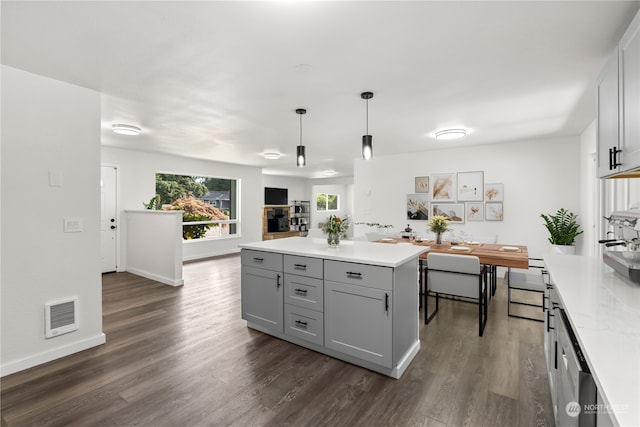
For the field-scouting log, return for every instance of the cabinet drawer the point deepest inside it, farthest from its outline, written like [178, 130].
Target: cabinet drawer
[303, 266]
[303, 323]
[304, 292]
[260, 259]
[359, 274]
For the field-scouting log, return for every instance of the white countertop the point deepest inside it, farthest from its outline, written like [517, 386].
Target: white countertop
[383, 254]
[604, 311]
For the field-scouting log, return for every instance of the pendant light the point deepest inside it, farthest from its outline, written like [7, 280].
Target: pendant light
[367, 140]
[301, 158]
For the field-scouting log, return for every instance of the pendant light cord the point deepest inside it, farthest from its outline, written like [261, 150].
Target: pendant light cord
[300, 129]
[367, 117]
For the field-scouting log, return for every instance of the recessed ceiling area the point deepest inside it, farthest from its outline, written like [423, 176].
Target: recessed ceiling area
[222, 80]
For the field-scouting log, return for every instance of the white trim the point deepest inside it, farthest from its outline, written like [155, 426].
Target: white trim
[49, 355]
[156, 277]
[211, 254]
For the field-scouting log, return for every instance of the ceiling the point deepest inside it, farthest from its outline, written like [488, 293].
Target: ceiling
[222, 80]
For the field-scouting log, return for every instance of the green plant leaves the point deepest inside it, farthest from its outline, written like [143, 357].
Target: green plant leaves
[563, 227]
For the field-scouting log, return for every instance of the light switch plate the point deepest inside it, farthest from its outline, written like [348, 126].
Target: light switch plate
[72, 224]
[55, 179]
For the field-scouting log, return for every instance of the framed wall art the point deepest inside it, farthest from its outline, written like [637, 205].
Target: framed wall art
[453, 211]
[418, 206]
[422, 184]
[443, 187]
[474, 211]
[493, 211]
[494, 192]
[470, 186]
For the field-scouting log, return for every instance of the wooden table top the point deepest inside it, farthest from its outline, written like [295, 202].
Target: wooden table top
[488, 253]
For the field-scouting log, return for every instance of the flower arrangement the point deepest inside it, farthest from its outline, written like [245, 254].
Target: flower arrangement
[335, 228]
[438, 224]
[336, 225]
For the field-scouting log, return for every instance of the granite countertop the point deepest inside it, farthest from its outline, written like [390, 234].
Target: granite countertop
[386, 255]
[604, 310]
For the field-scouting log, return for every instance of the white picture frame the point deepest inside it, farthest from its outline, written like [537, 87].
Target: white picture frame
[470, 186]
[474, 211]
[418, 206]
[453, 211]
[422, 184]
[494, 211]
[494, 192]
[443, 187]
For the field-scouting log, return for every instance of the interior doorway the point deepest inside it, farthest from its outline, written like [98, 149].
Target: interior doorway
[109, 217]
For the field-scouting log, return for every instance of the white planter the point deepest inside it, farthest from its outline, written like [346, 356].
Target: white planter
[563, 249]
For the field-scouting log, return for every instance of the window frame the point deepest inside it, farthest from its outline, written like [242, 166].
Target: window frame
[219, 222]
[327, 195]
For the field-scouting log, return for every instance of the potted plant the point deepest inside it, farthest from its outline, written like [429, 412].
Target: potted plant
[438, 224]
[563, 229]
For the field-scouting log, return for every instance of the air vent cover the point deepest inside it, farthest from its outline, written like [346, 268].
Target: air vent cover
[61, 317]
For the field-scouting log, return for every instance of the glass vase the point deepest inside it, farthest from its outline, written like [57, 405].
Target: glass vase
[438, 238]
[333, 239]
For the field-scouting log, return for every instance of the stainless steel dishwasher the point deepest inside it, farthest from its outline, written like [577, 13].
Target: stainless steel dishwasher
[575, 396]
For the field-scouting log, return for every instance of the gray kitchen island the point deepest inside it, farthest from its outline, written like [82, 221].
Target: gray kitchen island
[357, 302]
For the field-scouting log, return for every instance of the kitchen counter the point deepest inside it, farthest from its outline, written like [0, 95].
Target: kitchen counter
[386, 255]
[604, 310]
[357, 302]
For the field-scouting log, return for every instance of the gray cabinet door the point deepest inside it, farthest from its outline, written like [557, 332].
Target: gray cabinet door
[630, 83]
[263, 297]
[358, 322]
[608, 118]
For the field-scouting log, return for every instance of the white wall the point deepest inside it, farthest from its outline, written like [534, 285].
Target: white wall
[154, 245]
[539, 177]
[137, 171]
[49, 128]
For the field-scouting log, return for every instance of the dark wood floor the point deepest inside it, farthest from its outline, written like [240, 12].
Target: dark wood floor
[183, 357]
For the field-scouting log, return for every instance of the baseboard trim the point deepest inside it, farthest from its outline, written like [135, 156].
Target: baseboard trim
[213, 254]
[53, 354]
[157, 278]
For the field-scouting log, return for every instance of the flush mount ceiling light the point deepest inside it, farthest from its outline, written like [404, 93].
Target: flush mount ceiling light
[329, 172]
[367, 140]
[301, 159]
[271, 155]
[126, 129]
[451, 134]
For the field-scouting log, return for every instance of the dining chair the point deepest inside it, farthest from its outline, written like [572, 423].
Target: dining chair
[526, 281]
[460, 276]
[315, 232]
[372, 236]
[493, 269]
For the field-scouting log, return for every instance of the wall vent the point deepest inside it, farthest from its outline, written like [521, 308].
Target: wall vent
[61, 317]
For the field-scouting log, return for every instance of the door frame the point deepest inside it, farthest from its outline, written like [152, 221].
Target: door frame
[120, 267]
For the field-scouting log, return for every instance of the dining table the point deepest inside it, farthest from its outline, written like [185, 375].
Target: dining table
[493, 255]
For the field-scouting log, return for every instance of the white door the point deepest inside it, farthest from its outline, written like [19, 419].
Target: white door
[109, 218]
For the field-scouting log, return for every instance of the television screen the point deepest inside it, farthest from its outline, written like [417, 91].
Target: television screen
[276, 196]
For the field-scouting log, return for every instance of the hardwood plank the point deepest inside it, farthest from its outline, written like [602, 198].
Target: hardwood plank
[183, 356]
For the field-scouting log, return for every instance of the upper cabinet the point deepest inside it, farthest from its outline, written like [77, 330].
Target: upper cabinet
[608, 118]
[619, 107]
[630, 96]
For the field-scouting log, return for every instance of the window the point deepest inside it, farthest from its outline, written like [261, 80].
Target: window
[327, 202]
[210, 204]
